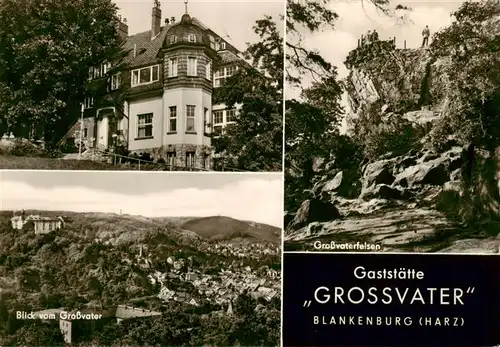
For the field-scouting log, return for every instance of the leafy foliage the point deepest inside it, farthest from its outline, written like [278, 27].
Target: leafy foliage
[36, 335]
[471, 44]
[46, 49]
[383, 133]
[27, 149]
[68, 268]
[312, 15]
[312, 131]
[254, 142]
[312, 122]
[308, 17]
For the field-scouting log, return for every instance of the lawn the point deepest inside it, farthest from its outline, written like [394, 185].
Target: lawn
[9, 162]
[36, 163]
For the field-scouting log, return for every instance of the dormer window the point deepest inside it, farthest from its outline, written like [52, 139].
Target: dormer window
[192, 38]
[212, 42]
[222, 46]
[145, 75]
[173, 39]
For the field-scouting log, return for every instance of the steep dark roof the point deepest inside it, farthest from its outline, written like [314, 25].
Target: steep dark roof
[228, 57]
[147, 49]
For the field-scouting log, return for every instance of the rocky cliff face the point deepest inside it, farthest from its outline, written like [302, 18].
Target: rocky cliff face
[402, 79]
[397, 75]
[412, 202]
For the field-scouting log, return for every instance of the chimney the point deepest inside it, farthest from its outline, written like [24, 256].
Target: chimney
[172, 20]
[122, 28]
[166, 21]
[155, 19]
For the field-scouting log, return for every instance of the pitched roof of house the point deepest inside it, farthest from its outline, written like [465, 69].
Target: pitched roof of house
[125, 312]
[228, 57]
[147, 50]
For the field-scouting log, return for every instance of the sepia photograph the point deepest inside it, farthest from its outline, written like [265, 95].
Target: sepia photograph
[93, 258]
[150, 85]
[392, 126]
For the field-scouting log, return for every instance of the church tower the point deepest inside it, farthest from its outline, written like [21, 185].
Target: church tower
[187, 100]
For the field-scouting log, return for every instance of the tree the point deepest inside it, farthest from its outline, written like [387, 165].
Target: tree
[255, 141]
[312, 16]
[471, 46]
[46, 49]
[245, 304]
[37, 334]
[311, 128]
[312, 121]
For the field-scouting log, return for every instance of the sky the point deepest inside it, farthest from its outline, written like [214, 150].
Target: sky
[356, 17]
[231, 19]
[255, 197]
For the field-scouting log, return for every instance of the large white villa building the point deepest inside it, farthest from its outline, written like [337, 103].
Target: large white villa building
[168, 112]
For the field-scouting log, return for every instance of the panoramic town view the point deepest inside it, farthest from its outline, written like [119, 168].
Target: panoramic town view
[185, 275]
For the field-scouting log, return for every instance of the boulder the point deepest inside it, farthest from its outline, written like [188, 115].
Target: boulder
[434, 172]
[370, 169]
[436, 176]
[454, 186]
[383, 176]
[455, 163]
[408, 161]
[384, 191]
[429, 157]
[313, 210]
[333, 184]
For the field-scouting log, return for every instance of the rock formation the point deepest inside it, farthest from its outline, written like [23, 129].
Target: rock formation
[403, 202]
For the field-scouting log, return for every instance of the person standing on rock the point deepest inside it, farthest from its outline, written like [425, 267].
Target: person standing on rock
[425, 34]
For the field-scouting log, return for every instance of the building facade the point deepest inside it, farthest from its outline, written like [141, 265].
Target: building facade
[168, 113]
[41, 225]
[93, 320]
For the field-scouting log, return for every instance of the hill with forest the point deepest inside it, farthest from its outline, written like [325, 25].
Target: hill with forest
[225, 228]
[419, 167]
[118, 228]
[170, 265]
